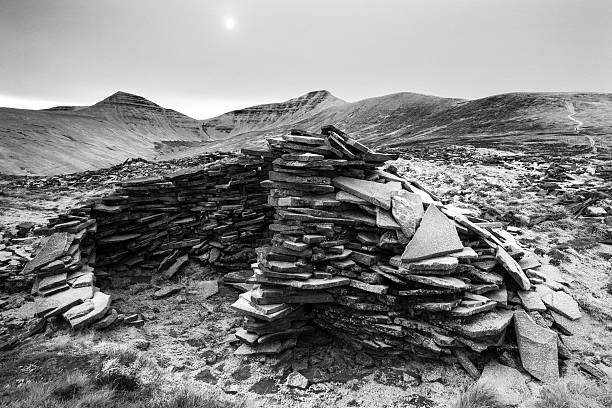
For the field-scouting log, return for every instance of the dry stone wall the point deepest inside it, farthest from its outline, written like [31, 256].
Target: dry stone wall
[215, 214]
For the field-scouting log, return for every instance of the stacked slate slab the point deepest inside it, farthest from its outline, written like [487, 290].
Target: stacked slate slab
[215, 213]
[377, 260]
[64, 283]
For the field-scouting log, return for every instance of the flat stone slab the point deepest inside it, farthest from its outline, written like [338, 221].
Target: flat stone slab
[435, 236]
[483, 325]
[84, 280]
[51, 281]
[385, 220]
[465, 311]
[500, 296]
[244, 307]
[166, 291]
[537, 347]
[465, 253]
[529, 261]
[407, 209]
[176, 267]
[79, 310]
[563, 304]
[58, 303]
[438, 281]
[345, 197]
[513, 268]
[443, 263]
[246, 337]
[510, 384]
[101, 302]
[54, 247]
[531, 300]
[378, 194]
[110, 318]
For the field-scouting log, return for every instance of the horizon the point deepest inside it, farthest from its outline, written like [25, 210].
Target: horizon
[207, 58]
[47, 106]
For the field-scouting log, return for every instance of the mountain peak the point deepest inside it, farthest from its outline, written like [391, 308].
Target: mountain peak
[125, 98]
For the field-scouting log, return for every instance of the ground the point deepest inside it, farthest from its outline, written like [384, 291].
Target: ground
[189, 335]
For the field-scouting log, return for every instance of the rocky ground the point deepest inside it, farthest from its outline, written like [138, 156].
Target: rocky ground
[563, 207]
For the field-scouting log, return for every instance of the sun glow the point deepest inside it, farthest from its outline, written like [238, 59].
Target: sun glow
[230, 23]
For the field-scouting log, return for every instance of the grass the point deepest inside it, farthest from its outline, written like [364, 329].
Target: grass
[479, 395]
[119, 376]
[570, 392]
[576, 392]
[78, 390]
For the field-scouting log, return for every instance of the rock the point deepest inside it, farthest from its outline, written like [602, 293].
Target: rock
[407, 209]
[483, 325]
[537, 347]
[384, 220]
[59, 303]
[510, 383]
[264, 386]
[53, 248]
[442, 265]
[439, 281]
[79, 310]
[81, 281]
[500, 296]
[378, 194]
[297, 380]
[176, 267]
[52, 281]
[563, 304]
[513, 268]
[593, 211]
[566, 326]
[435, 236]
[166, 291]
[531, 300]
[466, 363]
[106, 321]
[101, 302]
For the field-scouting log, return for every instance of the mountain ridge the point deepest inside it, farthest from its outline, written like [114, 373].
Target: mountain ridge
[123, 125]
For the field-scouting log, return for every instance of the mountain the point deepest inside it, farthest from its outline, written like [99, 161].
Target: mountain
[401, 119]
[68, 139]
[73, 138]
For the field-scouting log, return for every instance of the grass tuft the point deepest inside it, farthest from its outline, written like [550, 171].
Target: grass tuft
[189, 397]
[479, 395]
[576, 392]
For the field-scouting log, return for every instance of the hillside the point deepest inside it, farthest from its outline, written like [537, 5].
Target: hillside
[397, 120]
[68, 139]
[74, 138]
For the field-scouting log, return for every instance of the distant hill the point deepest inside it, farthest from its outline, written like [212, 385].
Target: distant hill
[67, 139]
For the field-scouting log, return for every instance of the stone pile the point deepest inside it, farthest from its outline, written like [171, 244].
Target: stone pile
[215, 213]
[378, 261]
[64, 283]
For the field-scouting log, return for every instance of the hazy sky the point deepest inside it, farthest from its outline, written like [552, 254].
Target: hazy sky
[205, 57]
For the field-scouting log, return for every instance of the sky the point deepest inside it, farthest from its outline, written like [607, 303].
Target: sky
[206, 57]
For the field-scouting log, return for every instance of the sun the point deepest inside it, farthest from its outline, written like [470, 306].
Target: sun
[230, 23]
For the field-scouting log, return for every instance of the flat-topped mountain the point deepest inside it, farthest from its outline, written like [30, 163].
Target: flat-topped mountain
[73, 138]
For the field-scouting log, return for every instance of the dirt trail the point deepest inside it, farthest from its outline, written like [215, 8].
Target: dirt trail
[572, 112]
